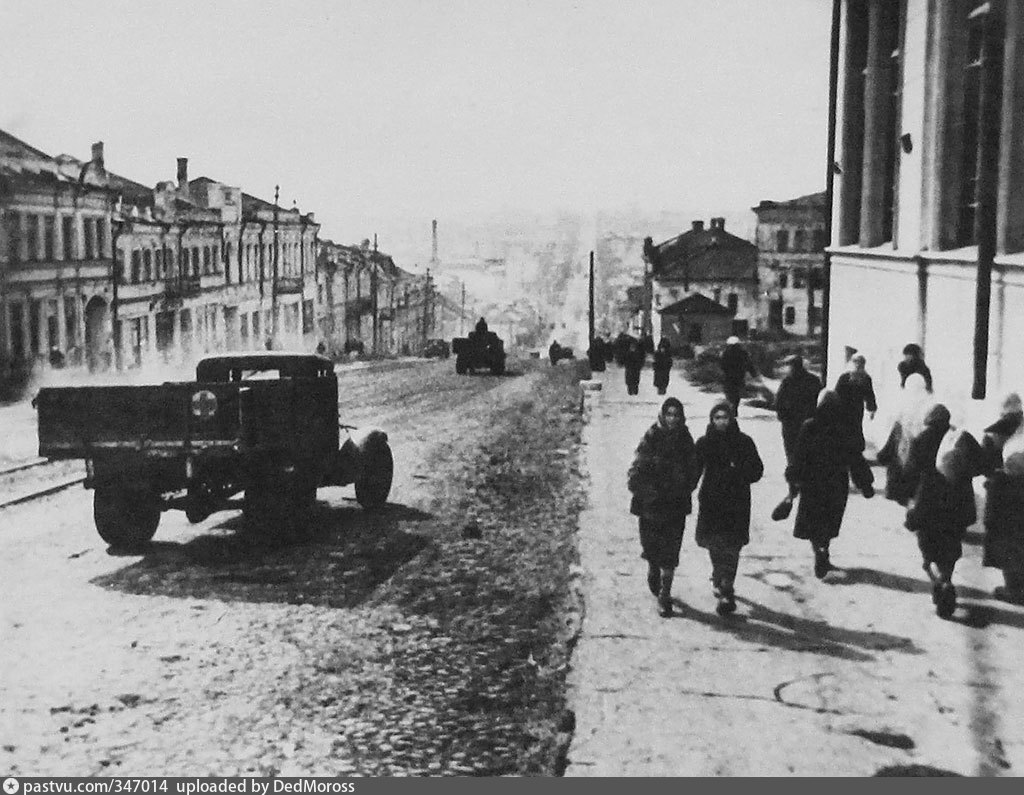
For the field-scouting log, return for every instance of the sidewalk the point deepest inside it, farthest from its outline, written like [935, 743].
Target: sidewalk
[846, 676]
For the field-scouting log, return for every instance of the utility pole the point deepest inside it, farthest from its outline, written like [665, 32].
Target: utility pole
[462, 314]
[273, 284]
[590, 323]
[373, 296]
[427, 310]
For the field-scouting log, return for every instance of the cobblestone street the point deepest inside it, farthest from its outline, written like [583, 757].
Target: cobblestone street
[846, 676]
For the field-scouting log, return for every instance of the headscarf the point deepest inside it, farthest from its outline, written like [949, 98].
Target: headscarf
[1011, 417]
[914, 404]
[830, 408]
[671, 402]
[726, 406]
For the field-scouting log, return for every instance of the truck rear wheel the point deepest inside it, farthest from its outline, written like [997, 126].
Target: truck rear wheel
[125, 518]
[378, 470]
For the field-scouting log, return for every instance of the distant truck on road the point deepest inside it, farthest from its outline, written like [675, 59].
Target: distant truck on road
[482, 349]
[260, 424]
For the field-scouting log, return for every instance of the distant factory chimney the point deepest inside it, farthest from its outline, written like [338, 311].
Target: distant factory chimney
[183, 173]
[433, 241]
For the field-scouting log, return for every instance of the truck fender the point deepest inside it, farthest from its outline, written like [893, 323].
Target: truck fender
[352, 455]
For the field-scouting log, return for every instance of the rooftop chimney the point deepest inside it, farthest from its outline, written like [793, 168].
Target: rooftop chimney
[183, 173]
[718, 223]
[698, 226]
[433, 240]
[97, 154]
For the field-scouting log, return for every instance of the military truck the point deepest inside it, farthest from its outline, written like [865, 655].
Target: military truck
[264, 425]
[481, 350]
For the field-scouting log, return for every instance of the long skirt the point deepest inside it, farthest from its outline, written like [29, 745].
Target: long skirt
[661, 540]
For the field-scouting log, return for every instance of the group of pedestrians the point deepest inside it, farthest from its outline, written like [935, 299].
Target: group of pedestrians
[930, 465]
[632, 354]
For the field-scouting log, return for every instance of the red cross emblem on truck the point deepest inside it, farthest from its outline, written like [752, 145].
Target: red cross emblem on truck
[204, 404]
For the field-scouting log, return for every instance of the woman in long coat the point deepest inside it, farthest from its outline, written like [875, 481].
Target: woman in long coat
[633, 361]
[661, 479]
[1004, 504]
[662, 365]
[943, 504]
[915, 402]
[828, 454]
[728, 461]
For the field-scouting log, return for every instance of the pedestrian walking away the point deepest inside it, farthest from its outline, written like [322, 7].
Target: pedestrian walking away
[633, 362]
[943, 461]
[827, 456]
[727, 462]
[1003, 447]
[857, 393]
[661, 480]
[662, 365]
[913, 362]
[736, 364]
[795, 402]
[914, 404]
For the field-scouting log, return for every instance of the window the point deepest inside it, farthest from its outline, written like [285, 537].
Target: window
[307, 317]
[820, 240]
[782, 240]
[195, 261]
[13, 226]
[90, 238]
[136, 271]
[734, 302]
[184, 262]
[16, 312]
[790, 315]
[817, 279]
[33, 237]
[67, 225]
[147, 265]
[48, 235]
[101, 237]
[207, 264]
[799, 278]
[783, 280]
[799, 240]
[983, 55]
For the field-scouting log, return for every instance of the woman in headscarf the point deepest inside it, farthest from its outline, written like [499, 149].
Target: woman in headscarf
[1003, 447]
[942, 463]
[828, 454]
[914, 403]
[728, 460]
[661, 479]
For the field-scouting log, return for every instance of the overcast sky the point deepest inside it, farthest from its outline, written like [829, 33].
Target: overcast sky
[433, 108]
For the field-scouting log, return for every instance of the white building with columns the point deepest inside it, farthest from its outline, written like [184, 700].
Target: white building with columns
[928, 204]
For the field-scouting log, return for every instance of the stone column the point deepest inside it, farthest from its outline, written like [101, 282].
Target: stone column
[1010, 205]
[877, 110]
[62, 334]
[23, 237]
[58, 237]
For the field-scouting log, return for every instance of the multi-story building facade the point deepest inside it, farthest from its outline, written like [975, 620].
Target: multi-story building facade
[99, 271]
[928, 212]
[56, 258]
[703, 261]
[790, 243]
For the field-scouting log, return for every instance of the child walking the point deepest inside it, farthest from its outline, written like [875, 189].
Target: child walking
[728, 461]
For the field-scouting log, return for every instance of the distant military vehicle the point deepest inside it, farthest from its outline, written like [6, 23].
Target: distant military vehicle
[481, 350]
[265, 424]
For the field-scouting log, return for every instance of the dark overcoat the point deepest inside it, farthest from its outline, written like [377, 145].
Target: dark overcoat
[661, 476]
[662, 367]
[729, 463]
[827, 454]
[795, 404]
[942, 508]
[1004, 522]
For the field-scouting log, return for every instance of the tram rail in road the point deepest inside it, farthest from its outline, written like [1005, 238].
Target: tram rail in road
[37, 478]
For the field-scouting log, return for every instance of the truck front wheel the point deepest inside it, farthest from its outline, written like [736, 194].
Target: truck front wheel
[125, 518]
[374, 482]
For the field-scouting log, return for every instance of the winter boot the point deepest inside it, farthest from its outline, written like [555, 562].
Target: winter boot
[822, 564]
[665, 594]
[726, 599]
[945, 600]
[653, 579]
